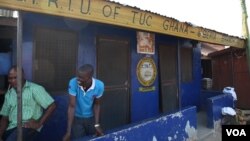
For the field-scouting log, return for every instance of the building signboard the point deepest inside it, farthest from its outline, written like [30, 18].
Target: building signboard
[116, 14]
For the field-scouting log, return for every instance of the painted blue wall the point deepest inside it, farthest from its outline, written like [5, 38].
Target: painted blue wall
[56, 126]
[190, 92]
[178, 126]
[205, 94]
[215, 104]
[5, 63]
[143, 104]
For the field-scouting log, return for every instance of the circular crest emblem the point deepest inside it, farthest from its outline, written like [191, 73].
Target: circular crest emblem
[146, 71]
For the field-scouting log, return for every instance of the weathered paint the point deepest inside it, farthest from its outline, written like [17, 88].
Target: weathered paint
[181, 125]
[215, 104]
[117, 14]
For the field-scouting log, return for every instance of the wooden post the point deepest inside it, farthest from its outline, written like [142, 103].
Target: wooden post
[245, 31]
[19, 76]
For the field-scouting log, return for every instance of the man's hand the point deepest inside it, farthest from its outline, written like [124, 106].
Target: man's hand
[66, 137]
[99, 131]
[33, 124]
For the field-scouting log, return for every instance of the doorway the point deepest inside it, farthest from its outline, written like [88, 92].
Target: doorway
[168, 78]
[113, 69]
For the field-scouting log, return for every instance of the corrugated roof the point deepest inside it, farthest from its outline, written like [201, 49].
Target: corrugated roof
[207, 48]
[189, 23]
[228, 50]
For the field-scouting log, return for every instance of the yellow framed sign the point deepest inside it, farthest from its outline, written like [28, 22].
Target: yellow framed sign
[146, 71]
[107, 12]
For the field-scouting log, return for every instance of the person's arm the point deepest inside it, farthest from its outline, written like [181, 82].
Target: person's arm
[47, 113]
[97, 110]
[3, 125]
[97, 102]
[37, 124]
[71, 111]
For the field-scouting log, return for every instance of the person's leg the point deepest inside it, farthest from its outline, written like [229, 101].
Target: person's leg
[28, 135]
[78, 130]
[89, 126]
[8, 133]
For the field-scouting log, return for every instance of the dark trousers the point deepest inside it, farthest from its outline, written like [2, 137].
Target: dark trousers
[28, 134]
[82, 127]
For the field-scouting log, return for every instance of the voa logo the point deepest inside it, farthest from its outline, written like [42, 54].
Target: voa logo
[236, 132]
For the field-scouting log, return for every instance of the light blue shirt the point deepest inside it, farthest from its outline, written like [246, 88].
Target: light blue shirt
[84, 100]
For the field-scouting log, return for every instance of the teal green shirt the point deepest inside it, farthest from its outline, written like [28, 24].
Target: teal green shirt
[35, 98]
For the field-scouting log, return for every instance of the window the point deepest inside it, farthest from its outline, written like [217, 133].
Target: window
[186, 64]
[54, 56]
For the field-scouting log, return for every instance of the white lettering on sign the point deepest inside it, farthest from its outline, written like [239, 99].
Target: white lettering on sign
[236, 132]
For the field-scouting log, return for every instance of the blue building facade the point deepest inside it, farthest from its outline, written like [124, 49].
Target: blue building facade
[142, 105]
[150, 65]
[139, 102]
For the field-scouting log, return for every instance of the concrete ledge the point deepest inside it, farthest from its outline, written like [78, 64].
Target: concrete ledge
[215, 104]
[181, 125]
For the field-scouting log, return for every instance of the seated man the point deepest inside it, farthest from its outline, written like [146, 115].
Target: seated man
[34, 100]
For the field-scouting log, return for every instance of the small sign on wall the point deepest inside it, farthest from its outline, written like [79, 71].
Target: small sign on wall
[145, 42]
[146, 74]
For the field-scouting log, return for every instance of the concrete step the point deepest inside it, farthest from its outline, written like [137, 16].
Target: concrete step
[203, 132]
